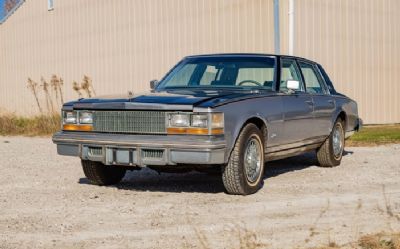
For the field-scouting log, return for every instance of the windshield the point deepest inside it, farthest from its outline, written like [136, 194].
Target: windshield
[222, 72]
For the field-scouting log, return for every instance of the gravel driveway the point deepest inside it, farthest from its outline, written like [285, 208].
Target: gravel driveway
[46, 202]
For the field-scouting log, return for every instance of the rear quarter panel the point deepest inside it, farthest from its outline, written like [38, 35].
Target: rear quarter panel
[349, 107]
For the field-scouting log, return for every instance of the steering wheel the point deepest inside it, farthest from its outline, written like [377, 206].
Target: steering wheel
[249, 81]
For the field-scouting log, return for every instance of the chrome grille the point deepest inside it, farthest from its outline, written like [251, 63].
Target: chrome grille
[152, 153]
[95, 151]
[139, 122]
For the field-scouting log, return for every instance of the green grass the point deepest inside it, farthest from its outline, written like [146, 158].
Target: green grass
[375, 135]
[43, 125]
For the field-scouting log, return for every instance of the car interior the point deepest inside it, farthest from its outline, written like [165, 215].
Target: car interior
[225, 74]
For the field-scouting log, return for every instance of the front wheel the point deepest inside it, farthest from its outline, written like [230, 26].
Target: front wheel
[331, 151]
[100, 174]
[244, 172]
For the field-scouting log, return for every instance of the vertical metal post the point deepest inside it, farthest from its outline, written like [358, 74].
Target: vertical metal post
[277, 38]
[291, 27]
[50, 5]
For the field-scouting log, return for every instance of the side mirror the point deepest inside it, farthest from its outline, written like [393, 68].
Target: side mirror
[293, 85]
[153, 84]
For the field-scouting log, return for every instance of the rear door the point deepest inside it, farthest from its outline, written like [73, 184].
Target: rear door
[297, 106]
[324, 103]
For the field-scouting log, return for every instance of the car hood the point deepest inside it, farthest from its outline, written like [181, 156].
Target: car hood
[171, 99]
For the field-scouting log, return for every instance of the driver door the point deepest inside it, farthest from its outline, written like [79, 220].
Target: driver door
[297, 105]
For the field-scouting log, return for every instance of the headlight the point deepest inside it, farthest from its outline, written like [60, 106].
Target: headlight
[195, 123]
[69, 117]
[179, 120]
[200, 120]
[85, 117]
[77, 121]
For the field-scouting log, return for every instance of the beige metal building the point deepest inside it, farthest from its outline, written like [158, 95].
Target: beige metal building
[122, 44]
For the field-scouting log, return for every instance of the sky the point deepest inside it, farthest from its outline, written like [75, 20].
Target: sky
[2, 8]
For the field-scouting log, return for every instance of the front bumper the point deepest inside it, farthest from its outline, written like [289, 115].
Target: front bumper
[141, 150]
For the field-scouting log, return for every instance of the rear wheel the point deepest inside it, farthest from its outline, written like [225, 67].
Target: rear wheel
[331, 151]
[244, 172]
[101, 174]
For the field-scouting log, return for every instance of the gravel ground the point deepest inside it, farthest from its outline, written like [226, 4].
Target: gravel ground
[46, 202]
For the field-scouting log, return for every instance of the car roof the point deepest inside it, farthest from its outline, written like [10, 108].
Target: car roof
[247, 55]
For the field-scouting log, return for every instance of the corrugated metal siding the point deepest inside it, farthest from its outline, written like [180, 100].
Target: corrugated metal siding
[357, 42]
[123, 44]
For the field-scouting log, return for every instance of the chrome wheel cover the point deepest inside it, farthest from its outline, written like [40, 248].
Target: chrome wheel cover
[337, 141]
[253, 159]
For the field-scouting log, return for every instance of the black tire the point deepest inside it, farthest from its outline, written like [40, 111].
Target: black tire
[100, 174]
[234, 173]
[325, 154]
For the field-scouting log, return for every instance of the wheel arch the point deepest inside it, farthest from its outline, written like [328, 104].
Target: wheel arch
[343, 116]
[258, 121]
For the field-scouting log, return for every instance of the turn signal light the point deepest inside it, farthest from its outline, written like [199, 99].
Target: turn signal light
[194, 131]
[74, 127]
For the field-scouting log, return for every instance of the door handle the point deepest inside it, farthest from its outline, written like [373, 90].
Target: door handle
[331, 102]
[309, 102]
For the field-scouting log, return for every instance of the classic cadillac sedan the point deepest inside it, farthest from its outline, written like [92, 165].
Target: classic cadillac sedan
[229, 113]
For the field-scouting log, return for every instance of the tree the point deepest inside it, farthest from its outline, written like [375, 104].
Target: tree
[9, 5]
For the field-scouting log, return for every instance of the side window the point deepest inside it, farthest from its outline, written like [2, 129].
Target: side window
[312, 81]
[289, 71]
[327, 80]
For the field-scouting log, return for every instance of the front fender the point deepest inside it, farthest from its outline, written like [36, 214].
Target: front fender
[237, 114]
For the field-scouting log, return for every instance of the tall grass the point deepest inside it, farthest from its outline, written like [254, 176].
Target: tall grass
[51, 93]
[380, 241]
[33, 86]
[42, 125]
[85, 88]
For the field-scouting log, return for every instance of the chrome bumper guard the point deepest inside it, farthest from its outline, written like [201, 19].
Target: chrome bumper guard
[141, 150]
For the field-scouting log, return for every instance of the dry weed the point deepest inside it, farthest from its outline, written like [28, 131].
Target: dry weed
[42, 125]
[86, 87]
[49, 100]
[380, 241]
[33, 86]
[57, 83]
[247, 239]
